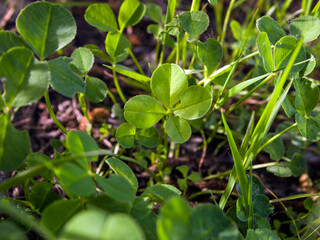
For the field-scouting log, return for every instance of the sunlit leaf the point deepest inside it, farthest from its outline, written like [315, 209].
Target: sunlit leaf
[96, 89]
[178, 129]
[143, 111]
[168, 82]
[46, 27]
[130, 13]
[265, 51]
[116, 45]
[125, 135]
[82, 61]
[122, 169]
[306, 27]
[101, 16]
[271, 27]
[195, 103]
[161, 193]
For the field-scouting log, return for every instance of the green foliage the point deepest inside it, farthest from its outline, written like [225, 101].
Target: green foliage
[96, 89]
[210, 53]
[272, 28]
[194, 23]
[306, 27]
[46, 27]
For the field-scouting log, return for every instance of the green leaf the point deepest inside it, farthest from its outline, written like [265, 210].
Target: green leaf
[265, 51]
[101, 16]
[307, 95]
[41, 195]
[130, 13]
[309, 126]
[288, 107]
[213, 2]
[98, 53]
[178, 129]
[141, 208]
[129, 73]
[35, 159]
[82, 61]
[109, 205]
[148, 137]
[275, 148]
[46, 27]
[96, 89]
[26, 78]
[122, 169]
[194, 23]
[143, 111]
[195, 103]
[184, 170]
[298, 165]
[14, 145]
[210, 222]
[174, 220]
[116, 44]
[154, 12]
[75, 180]
[125, 135]
[280, 170]
[168, 82]
[194, 177]
[58, 213]
[261, 234]
[237, 30]
[9, 40]
[310, 65]
[10, 231]
[118, 188]
[271, 27]
[261, 206]
[210, 53]
[94, 224]
[78, 142]
[283, 52]
[306, 27]
[161, 193]
[149, 226]
[63, 80]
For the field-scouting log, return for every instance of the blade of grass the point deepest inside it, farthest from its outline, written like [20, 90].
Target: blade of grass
[247, 137]
[264, 123]
[241, 173]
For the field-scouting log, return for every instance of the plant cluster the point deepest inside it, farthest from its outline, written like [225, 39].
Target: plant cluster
[186, 91]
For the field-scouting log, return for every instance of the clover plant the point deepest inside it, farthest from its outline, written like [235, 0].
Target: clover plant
[97, 195]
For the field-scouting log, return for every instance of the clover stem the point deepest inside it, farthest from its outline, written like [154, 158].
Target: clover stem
[156, 53]
[135, 61]
[52, 114]
[110, 94]
[226, 20]
[116, 83]
[178, 50]
[83, 104]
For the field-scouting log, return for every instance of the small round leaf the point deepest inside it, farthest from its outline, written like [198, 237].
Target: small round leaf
[46, 27]
[168, 81]
[194, 23]
[283, 52]
[308, 126]
[149, 137]
[101, 16]
[82, 61]
[210, 53]
[306, 27]
[271, 27]
[143, 111]
[9, 40]
[116, 45]
[178, 129]
[130, 13]
[125, 135]
[96, 89]
[195, 103]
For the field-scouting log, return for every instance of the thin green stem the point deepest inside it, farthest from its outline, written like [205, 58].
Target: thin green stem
[197, 194]
[156, 53]
[250, 210]
[298, 196]
[135, 61]
[52, 114]
[241, 100]
[226, 21]
[224, 69]
[83, 104]
[110, 94]
[178, 50]
[276, 136]
[116, 83]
